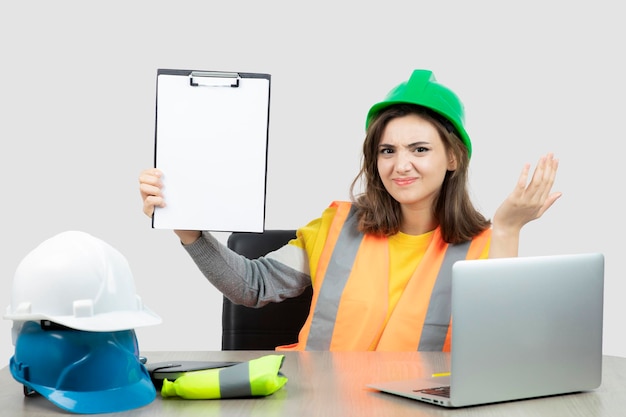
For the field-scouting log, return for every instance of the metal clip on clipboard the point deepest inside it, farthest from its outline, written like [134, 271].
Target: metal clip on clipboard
[214, 79]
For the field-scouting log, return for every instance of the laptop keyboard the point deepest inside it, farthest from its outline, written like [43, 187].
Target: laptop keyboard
[439, 391]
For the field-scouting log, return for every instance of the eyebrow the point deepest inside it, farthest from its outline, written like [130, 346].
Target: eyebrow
[410, 145]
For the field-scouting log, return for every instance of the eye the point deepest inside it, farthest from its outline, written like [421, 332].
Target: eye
[420, 149]
[385, 150]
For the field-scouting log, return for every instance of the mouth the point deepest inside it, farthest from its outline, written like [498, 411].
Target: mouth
[402, 182]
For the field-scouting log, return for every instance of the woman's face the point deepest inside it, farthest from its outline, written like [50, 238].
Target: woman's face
[412, 161]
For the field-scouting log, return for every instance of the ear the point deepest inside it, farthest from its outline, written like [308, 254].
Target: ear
[451, 162]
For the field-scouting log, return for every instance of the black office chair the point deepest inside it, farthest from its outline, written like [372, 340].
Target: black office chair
[245, 328]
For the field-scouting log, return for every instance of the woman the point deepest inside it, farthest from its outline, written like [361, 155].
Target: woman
[379, 264]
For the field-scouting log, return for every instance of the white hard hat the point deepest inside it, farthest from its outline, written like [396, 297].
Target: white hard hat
[78, 281]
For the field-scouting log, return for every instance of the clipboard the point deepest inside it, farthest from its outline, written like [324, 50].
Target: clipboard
[211, 138]
[173, 369]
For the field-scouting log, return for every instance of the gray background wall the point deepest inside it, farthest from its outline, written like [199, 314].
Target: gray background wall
[77, 104]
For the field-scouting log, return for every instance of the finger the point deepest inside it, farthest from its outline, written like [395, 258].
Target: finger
[544, 186]
[150, 176]
[155, 172]
[547, 164]
[554, 167]
[543, 178]
[538, 174]
[147, 190]
[523, 178]
[150, 203]
[148, 210]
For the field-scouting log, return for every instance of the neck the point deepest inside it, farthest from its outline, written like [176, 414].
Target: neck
[417, 222]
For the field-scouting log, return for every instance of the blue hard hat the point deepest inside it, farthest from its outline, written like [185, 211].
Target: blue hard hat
[80, 371]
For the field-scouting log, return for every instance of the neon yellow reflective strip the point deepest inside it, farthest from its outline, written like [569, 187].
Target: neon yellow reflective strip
[196, 385]
[265, 376]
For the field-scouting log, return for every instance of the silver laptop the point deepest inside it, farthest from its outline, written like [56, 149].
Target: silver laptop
[522, 328]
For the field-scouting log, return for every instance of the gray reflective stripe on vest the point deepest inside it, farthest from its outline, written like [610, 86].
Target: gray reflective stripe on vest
[235, 381]
[437, 319]
[337, 274]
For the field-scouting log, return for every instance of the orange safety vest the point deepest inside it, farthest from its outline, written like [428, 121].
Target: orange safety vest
[350, 294]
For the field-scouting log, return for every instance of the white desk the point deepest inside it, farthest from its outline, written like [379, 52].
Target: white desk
[333, 384]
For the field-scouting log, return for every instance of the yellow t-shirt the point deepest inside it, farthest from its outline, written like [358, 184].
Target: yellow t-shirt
[405, 252]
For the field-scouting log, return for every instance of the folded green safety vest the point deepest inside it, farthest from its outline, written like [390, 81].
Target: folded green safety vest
[255, 378]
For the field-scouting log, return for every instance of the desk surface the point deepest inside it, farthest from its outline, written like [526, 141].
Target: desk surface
[333, 384]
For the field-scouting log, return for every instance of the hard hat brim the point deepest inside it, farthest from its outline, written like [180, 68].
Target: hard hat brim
[104, 322]
[124, 398]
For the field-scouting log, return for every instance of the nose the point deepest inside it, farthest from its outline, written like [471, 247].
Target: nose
[403, 162]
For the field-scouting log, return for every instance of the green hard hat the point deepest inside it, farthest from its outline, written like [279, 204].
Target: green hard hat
[423, 89]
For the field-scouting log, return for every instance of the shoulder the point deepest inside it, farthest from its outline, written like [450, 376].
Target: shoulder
[318, 228]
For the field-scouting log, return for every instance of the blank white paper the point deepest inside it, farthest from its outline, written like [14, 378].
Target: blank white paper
[211, 145]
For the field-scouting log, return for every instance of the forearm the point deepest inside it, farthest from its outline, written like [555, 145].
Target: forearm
[253, 283]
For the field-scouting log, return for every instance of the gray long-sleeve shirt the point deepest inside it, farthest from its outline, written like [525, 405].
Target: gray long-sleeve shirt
[253, 283]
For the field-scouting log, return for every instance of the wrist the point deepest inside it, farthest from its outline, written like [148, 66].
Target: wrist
[187, 237]
[504, 242]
